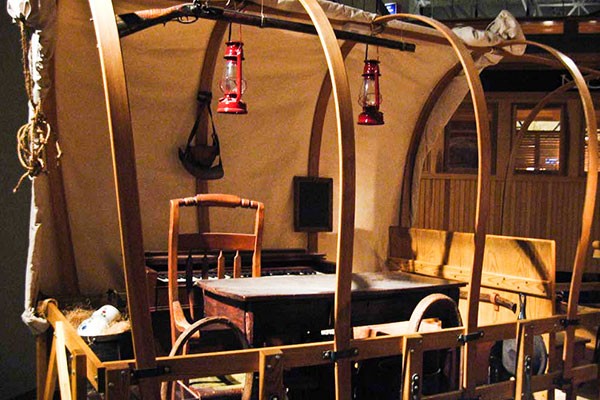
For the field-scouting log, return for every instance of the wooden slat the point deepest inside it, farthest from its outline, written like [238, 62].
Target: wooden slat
[73, 341]
[271, 375]
[516, 259]
[491, 280]
[78, 375]
[41, 362]
[117, 385]
[64, 382]
[412, 367]
[224, 241]
[51, 374]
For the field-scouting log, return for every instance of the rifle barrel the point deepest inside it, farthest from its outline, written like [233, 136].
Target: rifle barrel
[140, 20]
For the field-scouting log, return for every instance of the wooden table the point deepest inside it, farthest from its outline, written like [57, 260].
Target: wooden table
[288, 306]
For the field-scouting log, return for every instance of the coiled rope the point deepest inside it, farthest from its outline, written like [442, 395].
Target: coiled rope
[32, 137]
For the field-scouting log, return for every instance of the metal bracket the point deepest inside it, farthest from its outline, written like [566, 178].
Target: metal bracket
[469, 337]
[565, 322]
[415, 387]
[338, 355]
[149, 372]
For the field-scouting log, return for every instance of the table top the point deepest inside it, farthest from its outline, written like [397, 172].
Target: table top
[366, 284]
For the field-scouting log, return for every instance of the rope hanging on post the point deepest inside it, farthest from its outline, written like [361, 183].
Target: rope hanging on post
[32, 137]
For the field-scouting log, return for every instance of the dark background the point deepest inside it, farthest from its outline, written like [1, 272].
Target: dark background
[17, 344]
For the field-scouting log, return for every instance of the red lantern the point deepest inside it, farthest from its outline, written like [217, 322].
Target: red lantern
[370, 97]
[232, 83]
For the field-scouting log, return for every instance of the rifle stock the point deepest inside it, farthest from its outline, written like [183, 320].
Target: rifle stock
[136, 21]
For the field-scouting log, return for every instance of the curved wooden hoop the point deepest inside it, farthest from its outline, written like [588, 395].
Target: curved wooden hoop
[206, 79]
[128, 203]
[589, 203]
[193, 331]
[406, 209]
[347, 177]
[483, 175]
[119, 117]
[534, 112]
[483, 179]
[316, 134]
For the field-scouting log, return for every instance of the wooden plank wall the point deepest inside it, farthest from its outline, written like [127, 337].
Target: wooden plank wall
[546, 207]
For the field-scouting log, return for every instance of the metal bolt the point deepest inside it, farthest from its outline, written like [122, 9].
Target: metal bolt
[123, 373]
[274, 397]
[278, 356]
[111, 385]
[269, 366]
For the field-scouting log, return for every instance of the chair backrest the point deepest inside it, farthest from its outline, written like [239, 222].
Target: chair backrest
[209, 242]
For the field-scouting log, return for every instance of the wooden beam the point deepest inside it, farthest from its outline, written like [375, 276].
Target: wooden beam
[206, 80]
[316, 135]
[589, 199]
[128, 203]
[483, 182]
[271, 375]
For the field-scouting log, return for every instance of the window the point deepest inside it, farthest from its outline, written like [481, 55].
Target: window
[586, 156]
[540, 149]
[460, 140]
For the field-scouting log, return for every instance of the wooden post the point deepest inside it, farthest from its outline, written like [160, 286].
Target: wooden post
[271, 375]
[412, 367]
[78, 375]
[61, 362]
[524, 362]
[51, 375]
[42, 359]
[117, 385]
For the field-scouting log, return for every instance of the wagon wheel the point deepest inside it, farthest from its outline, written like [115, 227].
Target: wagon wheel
[445, 309]
[381, 378]
[216, 331]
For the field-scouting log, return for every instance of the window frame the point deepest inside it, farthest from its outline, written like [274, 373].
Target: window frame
[465, 115]
[563, 139]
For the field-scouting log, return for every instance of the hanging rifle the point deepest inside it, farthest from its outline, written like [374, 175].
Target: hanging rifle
[190, 12]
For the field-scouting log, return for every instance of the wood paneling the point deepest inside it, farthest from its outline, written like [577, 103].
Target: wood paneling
[534, 206]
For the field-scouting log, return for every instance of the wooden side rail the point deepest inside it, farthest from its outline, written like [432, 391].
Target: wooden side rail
[73, 342]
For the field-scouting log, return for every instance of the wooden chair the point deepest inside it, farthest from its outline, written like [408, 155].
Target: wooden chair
[182, 330]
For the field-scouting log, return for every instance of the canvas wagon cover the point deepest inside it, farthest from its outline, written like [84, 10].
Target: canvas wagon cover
[261, 151]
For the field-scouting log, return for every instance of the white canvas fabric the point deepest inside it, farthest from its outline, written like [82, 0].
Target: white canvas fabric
[261, 151]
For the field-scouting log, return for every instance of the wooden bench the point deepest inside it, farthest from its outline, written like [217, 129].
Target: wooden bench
[511, 265]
